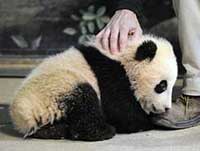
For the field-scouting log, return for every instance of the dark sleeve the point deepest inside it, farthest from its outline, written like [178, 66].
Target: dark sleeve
[128, 4]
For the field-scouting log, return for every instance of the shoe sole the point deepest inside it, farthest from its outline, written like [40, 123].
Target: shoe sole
[178, 125]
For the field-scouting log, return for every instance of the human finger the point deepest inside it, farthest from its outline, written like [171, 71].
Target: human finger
[123, 38]
[105, 39]
[114, 35]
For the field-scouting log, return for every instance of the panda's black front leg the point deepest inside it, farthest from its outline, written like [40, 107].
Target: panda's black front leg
[84, 115]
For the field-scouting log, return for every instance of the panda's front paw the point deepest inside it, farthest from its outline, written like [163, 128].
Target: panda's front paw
[30, 132]
[94, 134]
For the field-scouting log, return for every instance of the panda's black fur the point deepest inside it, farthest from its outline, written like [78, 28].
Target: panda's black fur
[115, 92]
[85, 119]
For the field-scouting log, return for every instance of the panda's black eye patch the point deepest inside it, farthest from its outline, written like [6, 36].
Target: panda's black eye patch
[161, 87]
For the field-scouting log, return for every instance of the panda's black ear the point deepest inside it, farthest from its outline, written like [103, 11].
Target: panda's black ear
[147, 50]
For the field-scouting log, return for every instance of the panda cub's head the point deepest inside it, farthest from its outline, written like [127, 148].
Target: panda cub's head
[152, 70]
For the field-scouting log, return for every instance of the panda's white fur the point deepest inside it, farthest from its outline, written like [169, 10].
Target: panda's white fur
[58, 75]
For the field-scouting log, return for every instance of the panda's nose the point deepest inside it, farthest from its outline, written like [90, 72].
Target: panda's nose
[158, 110]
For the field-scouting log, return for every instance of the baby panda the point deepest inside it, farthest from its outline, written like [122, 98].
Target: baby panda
[86, 94]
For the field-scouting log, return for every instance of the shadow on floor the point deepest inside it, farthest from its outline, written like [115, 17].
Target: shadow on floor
[6, 126]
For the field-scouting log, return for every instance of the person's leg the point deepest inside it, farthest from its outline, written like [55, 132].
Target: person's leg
[188, 14]
[185, 110]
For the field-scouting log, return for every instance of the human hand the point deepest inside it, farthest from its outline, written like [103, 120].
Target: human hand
[122, 27]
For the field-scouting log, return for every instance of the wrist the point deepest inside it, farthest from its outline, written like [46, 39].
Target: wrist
[125, 11]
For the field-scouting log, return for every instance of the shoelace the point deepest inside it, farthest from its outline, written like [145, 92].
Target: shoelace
[185, 100]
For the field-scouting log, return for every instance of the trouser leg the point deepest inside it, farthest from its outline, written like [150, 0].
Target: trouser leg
[188, 14]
